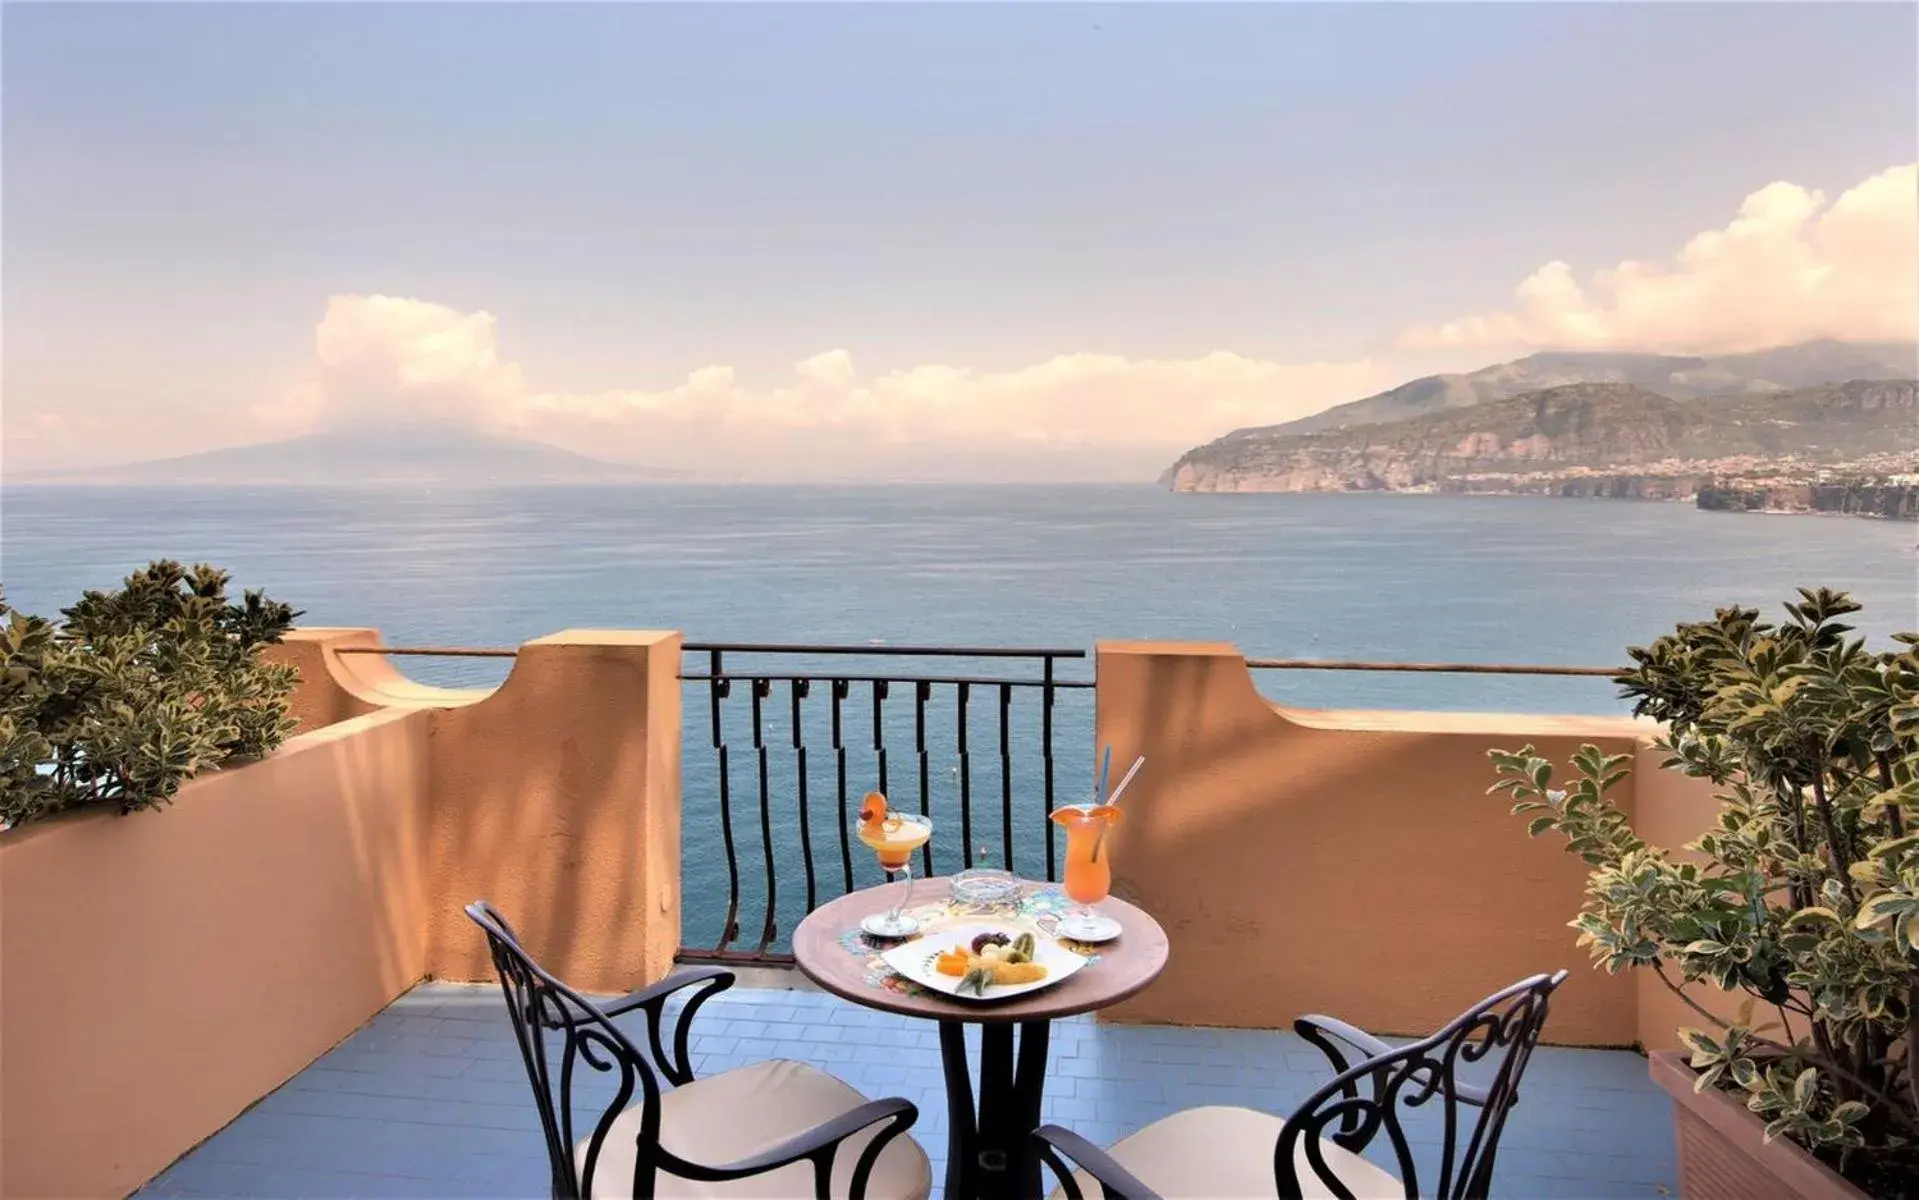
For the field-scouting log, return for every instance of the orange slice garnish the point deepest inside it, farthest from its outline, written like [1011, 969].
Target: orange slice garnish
[873, 809]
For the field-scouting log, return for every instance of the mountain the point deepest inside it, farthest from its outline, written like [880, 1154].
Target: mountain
[405, 455]
[1677, 378]
[1579, 429]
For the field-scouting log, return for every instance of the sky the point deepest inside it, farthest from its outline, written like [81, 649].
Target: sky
[872, 242]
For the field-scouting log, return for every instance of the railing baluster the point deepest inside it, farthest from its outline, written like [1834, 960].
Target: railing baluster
[879, 730]
[1046, 753]
[966, 779]
[841, 688]
[761, 689]
[777, 853]
[1006, 773]
[922, 692]
[801, 688]
[721, 688]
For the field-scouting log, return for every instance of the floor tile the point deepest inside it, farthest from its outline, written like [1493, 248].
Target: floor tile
[431, 1098]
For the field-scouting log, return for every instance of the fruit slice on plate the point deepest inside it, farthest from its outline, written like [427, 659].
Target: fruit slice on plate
[953, 962]
[984, 962]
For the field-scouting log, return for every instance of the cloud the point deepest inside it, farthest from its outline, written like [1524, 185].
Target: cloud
[1788, 268]
[1071, 399]
[384, 359]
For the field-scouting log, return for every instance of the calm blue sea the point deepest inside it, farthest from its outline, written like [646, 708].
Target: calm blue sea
[1364, 577]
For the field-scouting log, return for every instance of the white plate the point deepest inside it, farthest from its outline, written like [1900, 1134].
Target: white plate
[915, 959]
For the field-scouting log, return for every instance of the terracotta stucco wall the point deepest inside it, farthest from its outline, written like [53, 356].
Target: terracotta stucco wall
[162, 971]
[1345, 863]
[557, 798]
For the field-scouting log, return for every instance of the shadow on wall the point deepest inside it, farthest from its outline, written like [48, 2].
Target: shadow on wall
[555, 795]
[557, 798]
[276, 906]
[1349, 863]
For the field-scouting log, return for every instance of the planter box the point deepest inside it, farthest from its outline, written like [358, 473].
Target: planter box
[1723, 1155]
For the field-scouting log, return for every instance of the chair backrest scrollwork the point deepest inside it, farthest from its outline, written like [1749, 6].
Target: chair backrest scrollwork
[1367, 1100]
[570, 1048]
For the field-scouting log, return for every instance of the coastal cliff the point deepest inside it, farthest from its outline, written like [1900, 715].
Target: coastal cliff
[1587, 439]
[1893, 502]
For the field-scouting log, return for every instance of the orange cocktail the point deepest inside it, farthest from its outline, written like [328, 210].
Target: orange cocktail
[892, 836]
[1089, 868]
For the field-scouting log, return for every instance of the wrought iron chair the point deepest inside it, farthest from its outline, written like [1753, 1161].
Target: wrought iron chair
[1239, 1152]
[773, 1129]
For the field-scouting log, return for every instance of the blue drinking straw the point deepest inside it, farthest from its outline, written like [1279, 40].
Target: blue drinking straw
[1105, 765]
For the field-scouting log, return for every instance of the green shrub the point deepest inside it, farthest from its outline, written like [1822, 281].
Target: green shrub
[137, 691]
[1804, 895]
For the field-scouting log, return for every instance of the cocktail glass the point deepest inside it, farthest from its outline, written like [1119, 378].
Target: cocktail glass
[1089, 869]
[893, 837]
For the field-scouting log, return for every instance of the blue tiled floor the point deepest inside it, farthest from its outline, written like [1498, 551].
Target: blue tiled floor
[431, 1100]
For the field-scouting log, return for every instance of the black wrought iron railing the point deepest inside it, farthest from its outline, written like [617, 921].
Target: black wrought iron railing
[976, 738]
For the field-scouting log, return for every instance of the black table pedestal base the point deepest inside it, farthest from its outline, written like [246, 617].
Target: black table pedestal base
[989, 1147]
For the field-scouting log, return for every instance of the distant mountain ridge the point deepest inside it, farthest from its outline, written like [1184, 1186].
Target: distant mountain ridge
[420, 454]
[1784, 368]
[1578, 428]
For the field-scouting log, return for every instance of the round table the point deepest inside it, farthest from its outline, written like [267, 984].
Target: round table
[989, 1152]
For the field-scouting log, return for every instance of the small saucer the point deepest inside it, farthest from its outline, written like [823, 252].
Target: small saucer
[878, 926]
[1088, 930]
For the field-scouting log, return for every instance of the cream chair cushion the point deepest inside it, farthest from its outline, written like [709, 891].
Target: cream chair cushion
[1220, 1153]
[739, 1113]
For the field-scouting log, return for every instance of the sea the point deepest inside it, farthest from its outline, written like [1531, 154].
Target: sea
[1387, 578]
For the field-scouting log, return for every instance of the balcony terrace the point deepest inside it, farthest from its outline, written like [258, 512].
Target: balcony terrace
[315, 1017]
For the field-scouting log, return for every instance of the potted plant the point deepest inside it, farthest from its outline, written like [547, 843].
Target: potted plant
[1803, 897]
[137, 691]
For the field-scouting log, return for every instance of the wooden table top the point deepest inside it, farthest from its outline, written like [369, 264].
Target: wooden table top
[1126, 964]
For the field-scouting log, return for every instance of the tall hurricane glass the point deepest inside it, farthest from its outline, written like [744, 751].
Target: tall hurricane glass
[1089, 870]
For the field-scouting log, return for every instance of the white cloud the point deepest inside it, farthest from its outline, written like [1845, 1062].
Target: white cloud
[833, 368]
[382, 359]
[1788, 268]
[1072, 399]
[385, 359]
